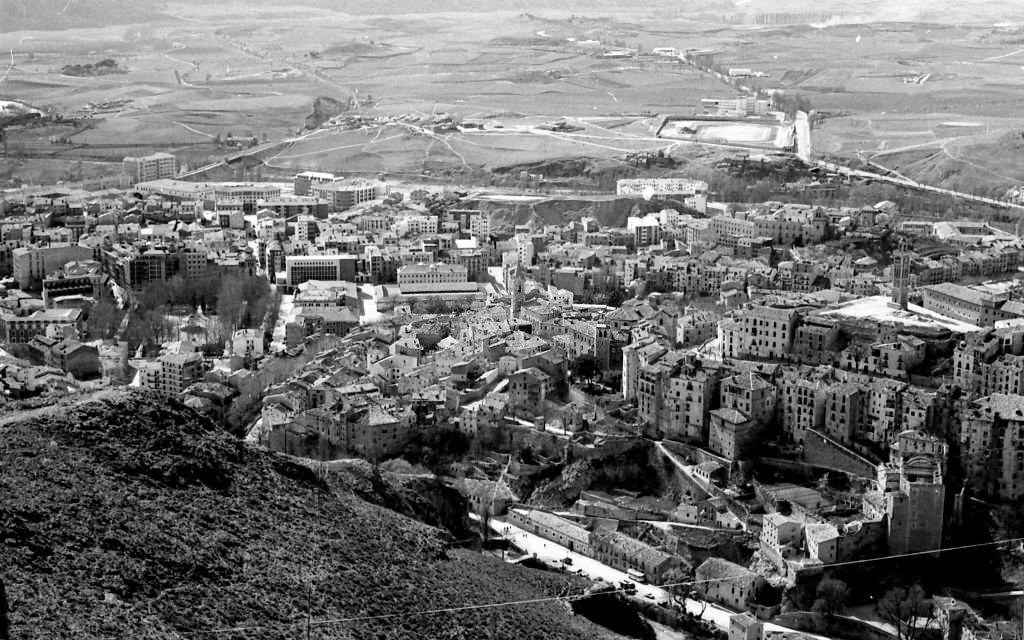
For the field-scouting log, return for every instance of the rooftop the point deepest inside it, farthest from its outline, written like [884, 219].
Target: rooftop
[723, 569]
[882, 309]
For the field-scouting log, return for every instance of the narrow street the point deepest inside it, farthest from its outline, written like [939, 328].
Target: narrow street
[554, 553]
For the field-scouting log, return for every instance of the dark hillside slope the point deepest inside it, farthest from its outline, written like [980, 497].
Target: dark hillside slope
[125, 516]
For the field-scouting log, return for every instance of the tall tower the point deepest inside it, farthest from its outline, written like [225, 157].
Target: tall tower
[901, 275]
[517, 289]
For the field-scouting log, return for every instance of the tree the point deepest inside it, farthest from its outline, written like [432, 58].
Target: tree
[832, 594]
[104, 319]
[902, 607]
[680, 587]
[586, 367]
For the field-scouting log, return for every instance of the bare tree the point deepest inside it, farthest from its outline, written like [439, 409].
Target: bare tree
[901, 606]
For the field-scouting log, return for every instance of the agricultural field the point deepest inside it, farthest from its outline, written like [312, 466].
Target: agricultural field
[920, 100]
[256, 72]
[933, 101]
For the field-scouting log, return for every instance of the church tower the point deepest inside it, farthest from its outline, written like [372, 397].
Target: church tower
[515, 290]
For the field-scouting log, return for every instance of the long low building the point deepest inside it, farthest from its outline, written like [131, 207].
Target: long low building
[436, 278]
[389, 296]
[559, 530]
[967, 304]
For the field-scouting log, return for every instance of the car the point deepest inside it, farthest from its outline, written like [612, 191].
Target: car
[566, 560]
[627, 586]
[650, 596]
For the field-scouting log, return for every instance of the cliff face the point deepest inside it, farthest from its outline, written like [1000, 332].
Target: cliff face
[636, 469]
[126, 516]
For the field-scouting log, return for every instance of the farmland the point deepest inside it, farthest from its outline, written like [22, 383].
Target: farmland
[934, 102]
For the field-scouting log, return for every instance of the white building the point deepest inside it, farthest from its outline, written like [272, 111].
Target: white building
[434, 277]
[692, 192]
[247, 342]
[158, 166]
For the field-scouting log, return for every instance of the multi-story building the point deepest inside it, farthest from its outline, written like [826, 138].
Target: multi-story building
[802, 403]
[295, 206]
[342, 196]
[750, 394]
[914, 493]
[170, 374]
[527, 391]
[435, 277]
[843, 407]
[736, 107]
[589, 337]
[760, 332]
[646, 230]
[692, 192]
[301, 269]
[991, 438]
[966, 304]
[727, 583]
[21, 329]
[303, 182]
[987, 363]
[249, 194]
[731, 433]
[689, 395]
[158, 166]
[32, 264]
[134, 266]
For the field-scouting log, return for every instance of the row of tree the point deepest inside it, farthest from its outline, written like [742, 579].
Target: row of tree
[239, 302]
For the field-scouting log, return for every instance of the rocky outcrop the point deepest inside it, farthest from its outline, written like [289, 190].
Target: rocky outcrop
[422, 497]
[129, 516]
[635, 469]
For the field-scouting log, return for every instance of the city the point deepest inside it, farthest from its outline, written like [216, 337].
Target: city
[774, 395]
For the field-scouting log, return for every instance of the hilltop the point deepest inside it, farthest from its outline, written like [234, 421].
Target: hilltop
[126, 516]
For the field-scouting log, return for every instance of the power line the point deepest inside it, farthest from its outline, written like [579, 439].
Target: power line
[569, 598]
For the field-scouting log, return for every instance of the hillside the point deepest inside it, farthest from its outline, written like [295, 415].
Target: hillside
[124, 516]
[987, 165]
[54, 15]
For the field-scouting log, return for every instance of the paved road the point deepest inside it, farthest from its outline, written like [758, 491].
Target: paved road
[549, 551]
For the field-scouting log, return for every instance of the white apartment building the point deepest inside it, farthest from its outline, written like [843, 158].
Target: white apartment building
[158, 166]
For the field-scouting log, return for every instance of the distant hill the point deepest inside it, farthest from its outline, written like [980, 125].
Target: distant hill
[66, 14]
[124, 516]
[49, 15]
